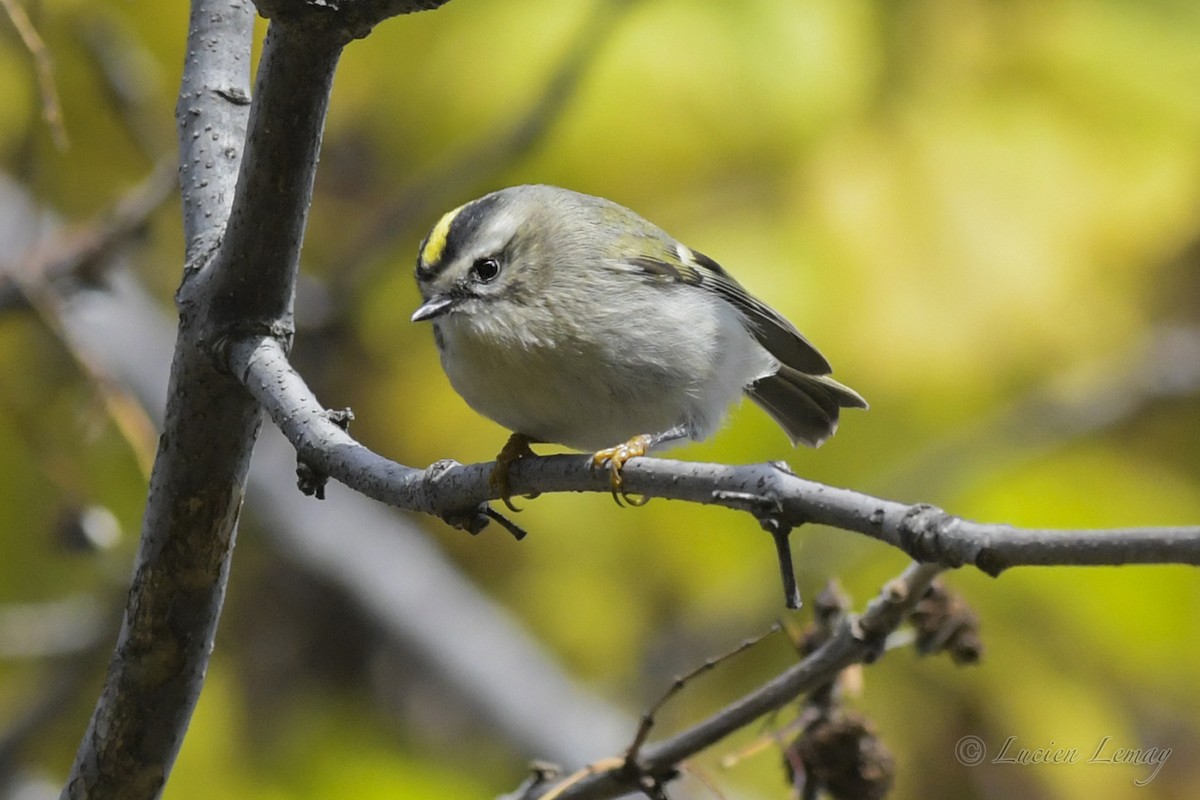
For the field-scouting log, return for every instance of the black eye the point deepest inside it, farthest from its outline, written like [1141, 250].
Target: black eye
[485, 270]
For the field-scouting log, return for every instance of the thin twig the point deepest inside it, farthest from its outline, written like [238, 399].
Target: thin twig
[677, 685]
[80, 256]
[856, 640]
[82, 253]
[119, 58]
[44, 65]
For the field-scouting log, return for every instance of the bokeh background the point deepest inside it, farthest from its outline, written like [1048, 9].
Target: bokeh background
[986, 215]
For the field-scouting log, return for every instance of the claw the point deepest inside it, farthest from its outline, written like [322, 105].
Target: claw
[516, 448]
[615, 458]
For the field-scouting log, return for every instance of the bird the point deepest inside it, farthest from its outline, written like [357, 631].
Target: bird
[568, 318]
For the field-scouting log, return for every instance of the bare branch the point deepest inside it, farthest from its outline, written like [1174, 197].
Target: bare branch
[240, 276]
[344, 21]
[856, 640]
[118, 56]
[249, 283]
[451, 490]
[211, 116]
[82, 253]
[188, 529]
[648, 718]
[44, 65]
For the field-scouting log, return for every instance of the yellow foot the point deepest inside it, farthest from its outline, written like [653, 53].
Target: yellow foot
[615, 458]
[516, 448]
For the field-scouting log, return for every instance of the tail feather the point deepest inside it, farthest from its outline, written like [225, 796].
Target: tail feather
[805, 406]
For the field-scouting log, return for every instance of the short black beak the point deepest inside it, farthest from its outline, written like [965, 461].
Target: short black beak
[433, 307]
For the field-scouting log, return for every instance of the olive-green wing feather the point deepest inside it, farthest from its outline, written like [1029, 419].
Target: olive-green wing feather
[801, 396]
[666, 259]
[776, 334]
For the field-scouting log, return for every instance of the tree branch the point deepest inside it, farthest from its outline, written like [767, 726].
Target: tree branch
[82, 253]
[250, 282]
[856, 640]
[44, 66]
[346, 20]
[239, 276]
[188, 528]
[769, 492]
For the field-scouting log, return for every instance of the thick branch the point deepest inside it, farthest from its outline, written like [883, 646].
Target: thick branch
[344, 20]
[251, 281]
[768, 491]
[188, 529]
[245, 283]
[211, 115]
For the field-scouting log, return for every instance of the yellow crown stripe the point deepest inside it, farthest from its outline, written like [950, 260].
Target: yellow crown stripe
[436, 241]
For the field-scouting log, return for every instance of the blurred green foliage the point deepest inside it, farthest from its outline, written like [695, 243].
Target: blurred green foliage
[962, 203]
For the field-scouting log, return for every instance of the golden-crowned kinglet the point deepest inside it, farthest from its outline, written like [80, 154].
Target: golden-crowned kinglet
[568, 318]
